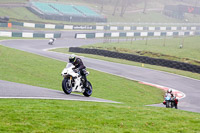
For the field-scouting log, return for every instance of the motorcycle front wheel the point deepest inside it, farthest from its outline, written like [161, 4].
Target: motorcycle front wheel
[172, 104]
[88, 90]
[65, 86]
[167, 103]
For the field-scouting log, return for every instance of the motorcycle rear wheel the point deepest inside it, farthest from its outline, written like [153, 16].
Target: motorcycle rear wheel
[88, 90]
[65, 86]
[176, 107]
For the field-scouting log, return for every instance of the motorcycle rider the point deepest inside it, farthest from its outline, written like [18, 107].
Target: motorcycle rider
[79, 66]
[167, 96]
[168, 93]
[174, 100]
[51, 41]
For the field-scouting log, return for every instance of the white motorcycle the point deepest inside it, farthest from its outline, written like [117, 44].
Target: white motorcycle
[73, 81]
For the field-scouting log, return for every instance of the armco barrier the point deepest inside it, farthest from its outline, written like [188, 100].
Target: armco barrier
[54, 26]
[29, 35]
[136, 34]
[137, 58]
[191, 27]
[9, 25]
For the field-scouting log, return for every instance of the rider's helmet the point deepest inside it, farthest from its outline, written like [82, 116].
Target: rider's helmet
[169, 90]
[72, 58]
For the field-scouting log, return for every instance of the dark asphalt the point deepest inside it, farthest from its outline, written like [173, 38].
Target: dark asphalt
[190, 87]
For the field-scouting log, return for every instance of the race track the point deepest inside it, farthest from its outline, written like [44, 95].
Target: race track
[190, 87]
[22, 91]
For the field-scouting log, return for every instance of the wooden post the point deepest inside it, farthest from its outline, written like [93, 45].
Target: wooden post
[146, 40]
[164, 41]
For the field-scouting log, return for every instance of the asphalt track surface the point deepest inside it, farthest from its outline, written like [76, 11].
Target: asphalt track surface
[15, 90]
[189, 86]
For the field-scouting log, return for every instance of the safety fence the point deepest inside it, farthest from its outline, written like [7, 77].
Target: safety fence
[9, 25]
[103, 27]
[136, 34]
[137, 58]
[29, 34]
[53, 26]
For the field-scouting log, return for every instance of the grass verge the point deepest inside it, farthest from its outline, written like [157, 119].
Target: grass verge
[159, 48]
[72, 116]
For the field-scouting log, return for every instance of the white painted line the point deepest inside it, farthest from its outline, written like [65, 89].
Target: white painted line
[47, 49]
[49, 98]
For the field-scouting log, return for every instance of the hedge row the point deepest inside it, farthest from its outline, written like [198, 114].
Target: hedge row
[137, 58]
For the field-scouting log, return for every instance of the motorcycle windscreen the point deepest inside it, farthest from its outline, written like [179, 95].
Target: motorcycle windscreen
[69, 65]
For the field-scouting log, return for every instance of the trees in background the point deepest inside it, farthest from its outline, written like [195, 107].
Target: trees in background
[122, 5]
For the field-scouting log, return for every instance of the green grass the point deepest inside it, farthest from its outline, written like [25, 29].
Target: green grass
[151, 17]
[190, 50]
[12, 1]
[25, 14]
[72, 116]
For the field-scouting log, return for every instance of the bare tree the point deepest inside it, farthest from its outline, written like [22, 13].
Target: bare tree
[116, 5]
[145, 6]
[102, 5]
[125, 4]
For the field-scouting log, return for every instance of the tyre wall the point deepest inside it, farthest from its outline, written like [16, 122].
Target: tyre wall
[137, 58]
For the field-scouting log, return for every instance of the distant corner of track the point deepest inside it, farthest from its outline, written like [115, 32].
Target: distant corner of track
[177, 93]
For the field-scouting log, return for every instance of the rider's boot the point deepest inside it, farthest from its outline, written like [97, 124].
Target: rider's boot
[85, 82]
